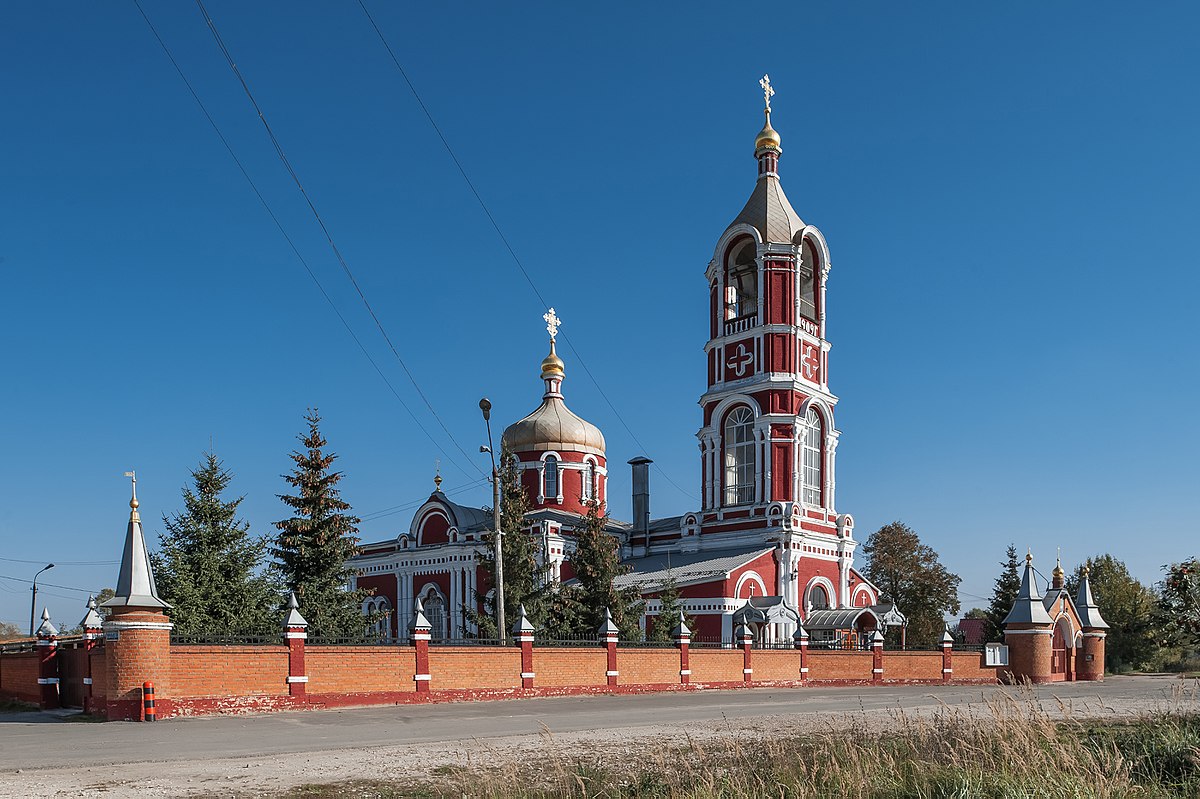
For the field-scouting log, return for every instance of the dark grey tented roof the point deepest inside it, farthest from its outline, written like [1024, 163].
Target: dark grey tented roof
[1028, 607]
[686, 567]
[770, 213]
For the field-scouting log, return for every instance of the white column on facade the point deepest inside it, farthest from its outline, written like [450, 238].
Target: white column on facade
[452, 602]
[760, 466]
[831, 474]
[844, 581]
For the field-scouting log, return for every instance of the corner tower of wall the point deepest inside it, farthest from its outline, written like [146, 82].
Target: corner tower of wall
[137, 632]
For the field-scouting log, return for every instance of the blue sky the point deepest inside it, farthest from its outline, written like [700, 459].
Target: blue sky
[1009, 195]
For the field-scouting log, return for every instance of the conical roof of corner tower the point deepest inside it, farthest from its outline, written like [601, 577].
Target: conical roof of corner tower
[553, 426]
[768, 210]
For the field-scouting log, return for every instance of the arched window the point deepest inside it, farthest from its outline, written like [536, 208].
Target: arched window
[741, 283]
[589, 481]
[550, 478]
[814, 435]
[808, 281]
[818, 597]
[739, 457]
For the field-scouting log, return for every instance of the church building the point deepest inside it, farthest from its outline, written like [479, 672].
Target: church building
[767, 546]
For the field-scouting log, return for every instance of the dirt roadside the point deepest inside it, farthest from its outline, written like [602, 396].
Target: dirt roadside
[176, 776]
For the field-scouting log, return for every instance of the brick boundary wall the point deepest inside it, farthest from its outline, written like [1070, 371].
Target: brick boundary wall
[235, 679]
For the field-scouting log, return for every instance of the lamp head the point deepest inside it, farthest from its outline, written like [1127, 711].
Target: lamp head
[486, 407]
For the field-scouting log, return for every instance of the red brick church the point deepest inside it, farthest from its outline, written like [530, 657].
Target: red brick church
[767, 545]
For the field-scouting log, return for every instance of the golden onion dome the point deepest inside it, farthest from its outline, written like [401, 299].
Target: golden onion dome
[768, 136]
[1058, 570]
[552, 366]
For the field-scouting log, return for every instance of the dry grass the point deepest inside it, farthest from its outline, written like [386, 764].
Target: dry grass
[1017, 747]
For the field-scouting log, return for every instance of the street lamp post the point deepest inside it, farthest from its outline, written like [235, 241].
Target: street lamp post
[33, 601]
[486, 407]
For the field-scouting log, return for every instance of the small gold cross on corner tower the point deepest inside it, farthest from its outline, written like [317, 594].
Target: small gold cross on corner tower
[552, 323]
[768, 91]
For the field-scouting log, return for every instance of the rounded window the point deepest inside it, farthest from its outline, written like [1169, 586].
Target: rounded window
[740, 459]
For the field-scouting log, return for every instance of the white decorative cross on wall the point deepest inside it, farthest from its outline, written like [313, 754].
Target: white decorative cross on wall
[768, 92]
[552, 323]
[740, 359]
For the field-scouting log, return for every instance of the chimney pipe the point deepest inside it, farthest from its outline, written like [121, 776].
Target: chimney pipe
[641, 498]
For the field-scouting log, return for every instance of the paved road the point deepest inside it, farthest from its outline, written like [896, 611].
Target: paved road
[28, 744]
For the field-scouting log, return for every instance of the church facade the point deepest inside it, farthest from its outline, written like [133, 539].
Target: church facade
[767, 547]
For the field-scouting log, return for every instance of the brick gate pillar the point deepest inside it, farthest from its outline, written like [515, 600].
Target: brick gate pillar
[47, 647]
[1089, 664]
[295, 635]
[746, 639]
[683, 637]
[947, 657]
[421, 629]
[608, 636]
[523, 631]
[800, 641]
[877, 657]
[93, 634]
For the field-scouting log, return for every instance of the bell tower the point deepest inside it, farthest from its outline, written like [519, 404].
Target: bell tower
[768, 437]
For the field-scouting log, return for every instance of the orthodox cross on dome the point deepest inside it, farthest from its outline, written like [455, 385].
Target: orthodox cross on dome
[768, 91]
[552, 323]
[437, 474]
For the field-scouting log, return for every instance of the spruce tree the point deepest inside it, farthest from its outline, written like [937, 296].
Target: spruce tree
[523, 578]
[663, 625]
[314, 545]
[208, 565]
[1007, 586]
[597, 563]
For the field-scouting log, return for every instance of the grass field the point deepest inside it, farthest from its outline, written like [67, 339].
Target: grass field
[1019, 749]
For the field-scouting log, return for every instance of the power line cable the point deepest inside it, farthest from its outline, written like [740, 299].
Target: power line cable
[504, 239]
[328, 236]
[266, 206]
[48, 585]
[66, 562]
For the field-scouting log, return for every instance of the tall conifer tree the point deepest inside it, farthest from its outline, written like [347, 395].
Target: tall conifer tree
[314, 545]
[597, 563]
[209, 567]
[1004, 593]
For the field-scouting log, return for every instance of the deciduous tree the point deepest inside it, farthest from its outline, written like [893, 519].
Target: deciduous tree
[314, 545]
[209, 567]
[1179, 603]
[910, 574]
[1129, 608]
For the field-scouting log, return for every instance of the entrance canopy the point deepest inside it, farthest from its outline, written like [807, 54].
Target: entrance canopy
[766, 610]
[842, 619]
